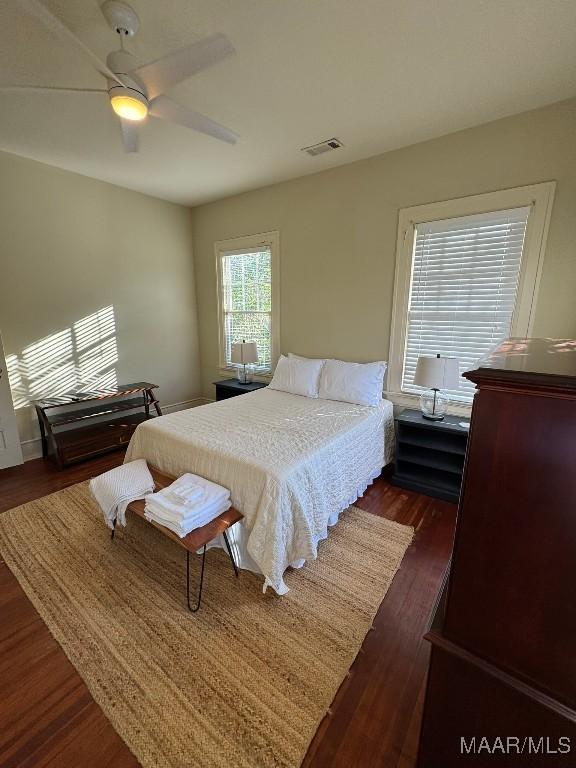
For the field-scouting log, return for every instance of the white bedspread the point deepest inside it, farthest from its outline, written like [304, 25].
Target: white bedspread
[292, 465]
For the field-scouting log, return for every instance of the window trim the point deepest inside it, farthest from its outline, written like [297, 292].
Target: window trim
[538, 196]
[244, 243]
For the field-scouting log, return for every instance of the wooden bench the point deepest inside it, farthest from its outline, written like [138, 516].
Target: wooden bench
[196, 539]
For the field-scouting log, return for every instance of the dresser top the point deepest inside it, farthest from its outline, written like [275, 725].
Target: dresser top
[542, 362]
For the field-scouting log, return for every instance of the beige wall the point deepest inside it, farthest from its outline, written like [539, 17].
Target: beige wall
[71, 246]
[338, 232]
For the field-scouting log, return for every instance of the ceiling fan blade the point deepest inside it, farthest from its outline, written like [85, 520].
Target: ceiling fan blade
[160, 75]
[49, 89]
[39, 10]
[167, 109]
[129, 135]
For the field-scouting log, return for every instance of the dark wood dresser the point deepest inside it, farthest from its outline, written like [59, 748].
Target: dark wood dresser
[502, 680]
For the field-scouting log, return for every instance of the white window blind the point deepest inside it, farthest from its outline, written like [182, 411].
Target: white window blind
[247, 301]
[464, 283]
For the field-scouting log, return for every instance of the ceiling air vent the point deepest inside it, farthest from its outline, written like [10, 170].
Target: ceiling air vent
[323, 146]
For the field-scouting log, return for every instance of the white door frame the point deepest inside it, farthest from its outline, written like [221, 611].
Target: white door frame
[10, 447]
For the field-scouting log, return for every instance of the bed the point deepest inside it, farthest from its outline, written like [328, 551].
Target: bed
[292, 464]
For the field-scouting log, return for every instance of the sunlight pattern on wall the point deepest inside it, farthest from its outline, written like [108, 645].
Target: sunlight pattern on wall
[80, 357]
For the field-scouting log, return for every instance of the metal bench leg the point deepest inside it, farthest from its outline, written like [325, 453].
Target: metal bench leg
[193, 610]
[230, 553]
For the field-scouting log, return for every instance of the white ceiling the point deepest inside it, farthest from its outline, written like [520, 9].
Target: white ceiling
[377, 74]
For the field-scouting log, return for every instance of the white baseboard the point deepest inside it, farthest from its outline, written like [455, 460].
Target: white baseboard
[32, 449]
[173, 407]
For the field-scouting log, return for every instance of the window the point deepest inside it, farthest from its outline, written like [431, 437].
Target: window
[247, 269]
[466, 277]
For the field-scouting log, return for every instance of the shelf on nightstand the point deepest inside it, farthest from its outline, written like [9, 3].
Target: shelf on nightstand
[443, 442]
[436, 458]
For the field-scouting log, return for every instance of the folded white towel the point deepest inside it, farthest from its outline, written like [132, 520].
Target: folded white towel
[183, 515]
[115, 489]
[180, 486]
[177, 508]
[180, 510]
[187, 490]
[184, 528]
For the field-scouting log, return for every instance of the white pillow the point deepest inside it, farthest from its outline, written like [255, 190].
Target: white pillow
[360, 383]
[297, 375]
[299, 357]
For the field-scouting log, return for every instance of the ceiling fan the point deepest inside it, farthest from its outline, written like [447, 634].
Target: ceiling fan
[138, 91]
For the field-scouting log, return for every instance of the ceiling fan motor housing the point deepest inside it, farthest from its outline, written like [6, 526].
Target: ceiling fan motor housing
[121, 62]
[121, 17]
[114, 89]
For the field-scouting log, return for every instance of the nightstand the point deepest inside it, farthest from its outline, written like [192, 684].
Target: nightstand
[430, 454]
[232, 388]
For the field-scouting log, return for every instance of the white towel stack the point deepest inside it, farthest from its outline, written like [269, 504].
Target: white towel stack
[115, 489]
[189, 503]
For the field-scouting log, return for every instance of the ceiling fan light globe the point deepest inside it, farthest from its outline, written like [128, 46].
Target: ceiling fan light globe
[129, 107]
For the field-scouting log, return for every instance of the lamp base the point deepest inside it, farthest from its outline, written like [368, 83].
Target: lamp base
[433, 404]
[244, 374]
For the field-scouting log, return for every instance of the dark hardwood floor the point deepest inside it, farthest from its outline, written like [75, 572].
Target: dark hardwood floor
[48, 718]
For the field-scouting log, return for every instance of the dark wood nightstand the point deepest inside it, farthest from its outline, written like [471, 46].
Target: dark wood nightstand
[232, 388]
[430, 454]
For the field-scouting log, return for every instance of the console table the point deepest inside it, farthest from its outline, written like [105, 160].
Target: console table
[79, 425]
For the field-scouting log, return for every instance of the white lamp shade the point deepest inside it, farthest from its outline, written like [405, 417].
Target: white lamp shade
[244, 352]
[437, 373]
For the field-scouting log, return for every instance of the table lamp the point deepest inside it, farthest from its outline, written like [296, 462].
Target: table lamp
[244, 353]
[436, 373]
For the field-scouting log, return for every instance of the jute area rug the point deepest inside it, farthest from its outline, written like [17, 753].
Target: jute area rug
[244, 682]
